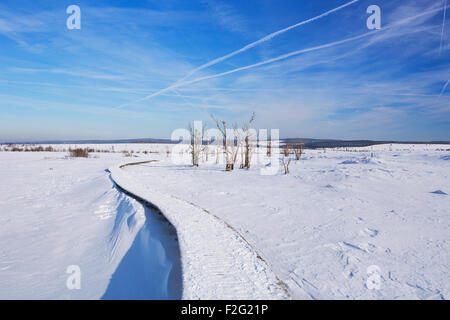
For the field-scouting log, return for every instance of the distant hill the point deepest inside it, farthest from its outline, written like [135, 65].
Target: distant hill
[309, 142]
[330, 143]
[143, 140]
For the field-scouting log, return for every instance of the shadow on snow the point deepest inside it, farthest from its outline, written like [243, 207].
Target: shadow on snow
[151, 268]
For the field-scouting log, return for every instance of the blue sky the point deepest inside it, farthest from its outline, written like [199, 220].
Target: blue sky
[97, 82]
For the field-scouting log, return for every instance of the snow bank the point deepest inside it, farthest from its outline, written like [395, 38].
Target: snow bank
[57, 212]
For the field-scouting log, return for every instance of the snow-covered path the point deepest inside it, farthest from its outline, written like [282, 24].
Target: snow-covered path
[217, 262]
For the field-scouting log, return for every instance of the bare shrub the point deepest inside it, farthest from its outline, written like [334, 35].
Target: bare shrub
[79, 153]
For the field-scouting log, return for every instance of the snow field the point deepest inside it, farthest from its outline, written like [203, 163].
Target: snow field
[316, 232]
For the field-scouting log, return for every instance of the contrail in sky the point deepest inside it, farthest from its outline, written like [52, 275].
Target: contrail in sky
[443, 27]
[266, 38]
[444, 87]
[251, 45]
[282, 57]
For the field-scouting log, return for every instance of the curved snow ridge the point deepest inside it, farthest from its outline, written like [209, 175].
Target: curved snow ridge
[217, 262]
[147, 252]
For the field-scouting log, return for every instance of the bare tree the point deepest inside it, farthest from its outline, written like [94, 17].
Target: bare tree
[286, 151]
[242, 152]
[217, 154]
[298, 149]
[236, 145]
[196, 143]
[235, 141]
[222, 126]
[246, 128]
[206, 144]
[286, 159]
[206, 149]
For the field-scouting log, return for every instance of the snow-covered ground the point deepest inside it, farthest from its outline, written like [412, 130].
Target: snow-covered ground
[326, 231]
[57, 212]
